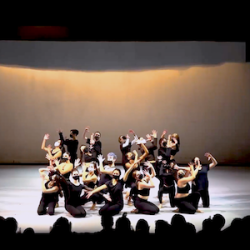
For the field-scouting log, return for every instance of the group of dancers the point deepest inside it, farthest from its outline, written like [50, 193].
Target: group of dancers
[102, 182]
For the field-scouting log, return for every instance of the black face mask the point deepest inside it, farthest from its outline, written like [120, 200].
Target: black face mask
[116, 177]
[64, 159]
[76, 177]
[140, 176]
[97, 138]
[109, 162]
[164, 144]
[71, 135]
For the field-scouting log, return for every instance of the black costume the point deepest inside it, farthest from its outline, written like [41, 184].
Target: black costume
[188, 204]
[94, 150]
[48, 200]
[167, 183]
[201, 185]
[124, 151]
[72, 194]
[72, 146]
[144, 206]
[116, 204]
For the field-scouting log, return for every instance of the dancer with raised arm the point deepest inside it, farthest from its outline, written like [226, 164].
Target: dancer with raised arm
[53, 153]
[72, 193]
[50, 192]
[72, 144]
[125, 146]
[115, 188]
[186, 202]
[201, 183]
[141, 195]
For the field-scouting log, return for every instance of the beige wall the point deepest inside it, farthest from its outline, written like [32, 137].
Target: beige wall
[208, 106]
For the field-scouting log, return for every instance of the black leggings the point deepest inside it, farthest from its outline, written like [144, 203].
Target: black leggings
[188, 204]
[44, 204]
[204, 196]
[75, 211]
[145, 206]
[110, 209]
[171, 192]
[94, 198]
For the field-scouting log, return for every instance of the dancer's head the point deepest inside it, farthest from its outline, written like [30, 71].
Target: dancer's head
[176, 136]
[111, 157]
[130, 156]
[57, 144]
[74, 133]
[196, 161]
[92, 167]
[65, 157]
[116, 173]
[122, 139]
[180, 174]
[137, 175]
[97, 135]
[75, 174]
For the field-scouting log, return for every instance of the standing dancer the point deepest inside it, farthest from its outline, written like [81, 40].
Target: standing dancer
[200, 183]
[72, 144]
[186, 202]
[50, 192]
[55, 153]
[115, 188]
[125, 146]
[175, 147]
[95, 145]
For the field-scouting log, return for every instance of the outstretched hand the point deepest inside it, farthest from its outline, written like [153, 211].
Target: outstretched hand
[100, 158]
[208, 155]
[46, 137]
[77, 162]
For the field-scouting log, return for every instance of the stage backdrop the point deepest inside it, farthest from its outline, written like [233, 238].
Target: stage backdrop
[200, 90]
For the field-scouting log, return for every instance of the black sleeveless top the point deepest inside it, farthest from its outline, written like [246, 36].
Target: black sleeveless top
[91, 184]
[144, 192]
[183, 190]
[50, 196]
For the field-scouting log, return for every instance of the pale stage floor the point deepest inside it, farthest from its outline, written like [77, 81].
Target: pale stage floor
[20, 193]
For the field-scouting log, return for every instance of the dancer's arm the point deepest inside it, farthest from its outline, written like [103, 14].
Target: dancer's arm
[142, 157]
[96, 190]
[135, 136]
[84, 134]
[191, 177]
[132, 166]
[146, 185]
[150, 166]
[163, 133]
[44, 189]
[64, 168]
[102, 170]
[46, 137]
[214, 162]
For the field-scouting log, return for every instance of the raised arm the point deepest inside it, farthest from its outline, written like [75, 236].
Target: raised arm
[150, 166]
[191, 177]
[84, 134]
[163, 133]
[210, 157]
[102, 170]
[132, 166]
[142, 157]
[147, 185]
[45, 138]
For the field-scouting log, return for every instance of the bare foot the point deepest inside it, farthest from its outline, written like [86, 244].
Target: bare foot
[57, 205]
[199, 211]
[176, 210]
[134, 211]
[93, 207]
[160, 206]
[130, 203]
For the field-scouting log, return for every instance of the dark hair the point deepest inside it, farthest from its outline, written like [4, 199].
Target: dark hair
[160, 141]
[73, 170]
[123, 137]
[98, 132]
[118, 170]
[75, 131]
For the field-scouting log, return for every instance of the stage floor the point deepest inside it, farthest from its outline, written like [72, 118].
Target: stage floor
[20, 193]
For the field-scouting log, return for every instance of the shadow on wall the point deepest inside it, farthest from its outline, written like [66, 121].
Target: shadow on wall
[118, 56]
